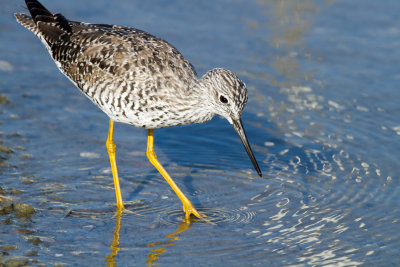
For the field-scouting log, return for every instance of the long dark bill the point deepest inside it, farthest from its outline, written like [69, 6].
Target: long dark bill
[237, 124]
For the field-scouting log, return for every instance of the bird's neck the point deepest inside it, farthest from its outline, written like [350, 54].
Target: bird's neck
[199, 109]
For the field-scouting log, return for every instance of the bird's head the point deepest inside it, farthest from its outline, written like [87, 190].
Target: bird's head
[227, 95]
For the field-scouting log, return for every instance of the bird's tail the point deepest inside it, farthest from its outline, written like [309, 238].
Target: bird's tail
[47, 26]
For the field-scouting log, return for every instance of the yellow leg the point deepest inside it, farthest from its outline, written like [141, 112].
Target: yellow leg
[111, 152]
[187, 205]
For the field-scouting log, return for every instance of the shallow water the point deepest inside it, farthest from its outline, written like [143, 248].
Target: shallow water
[322, 118]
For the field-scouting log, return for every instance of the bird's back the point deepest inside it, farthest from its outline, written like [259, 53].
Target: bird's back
[130, 74]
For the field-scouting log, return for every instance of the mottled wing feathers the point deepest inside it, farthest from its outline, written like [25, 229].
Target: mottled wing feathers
[112, 48]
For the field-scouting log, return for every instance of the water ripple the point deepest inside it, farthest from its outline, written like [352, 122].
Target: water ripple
[216, 216]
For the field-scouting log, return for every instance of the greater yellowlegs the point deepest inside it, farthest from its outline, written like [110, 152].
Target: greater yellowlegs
[138, 79]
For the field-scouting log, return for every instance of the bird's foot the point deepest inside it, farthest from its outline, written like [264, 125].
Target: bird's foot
[189, 209]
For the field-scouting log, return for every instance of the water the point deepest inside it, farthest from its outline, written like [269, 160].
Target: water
[322, 117]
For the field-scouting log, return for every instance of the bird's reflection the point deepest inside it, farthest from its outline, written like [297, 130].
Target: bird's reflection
[110, 259]
[163, 245]
[157, 248]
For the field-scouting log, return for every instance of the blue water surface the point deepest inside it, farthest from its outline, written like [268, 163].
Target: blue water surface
[322, 117]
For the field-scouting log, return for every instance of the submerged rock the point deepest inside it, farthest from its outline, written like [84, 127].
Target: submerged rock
[17, 262]
[35, 240]
[31, 253]
[8, 247]
[2, 191]
[3, 100]
[6, 205]
[23, 210]
[15, 191]
[5, 149]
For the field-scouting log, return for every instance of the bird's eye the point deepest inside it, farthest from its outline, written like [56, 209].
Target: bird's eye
[223, 99]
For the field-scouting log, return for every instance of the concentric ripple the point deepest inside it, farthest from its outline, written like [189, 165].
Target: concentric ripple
[216, 216]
